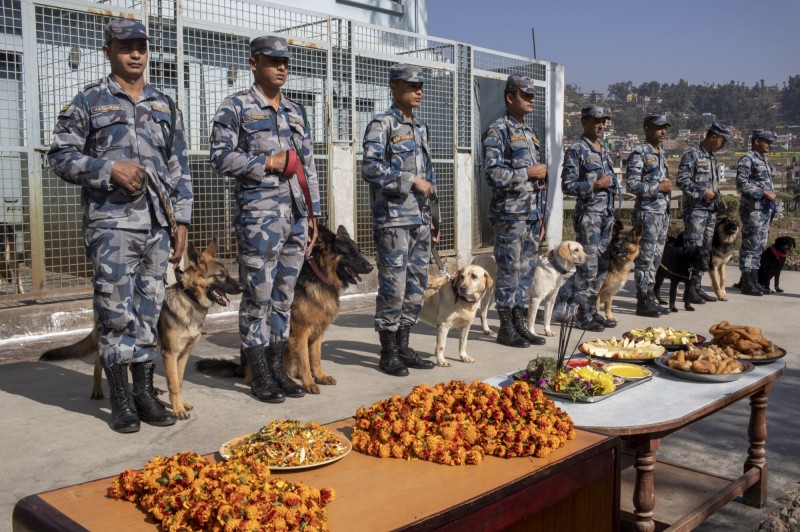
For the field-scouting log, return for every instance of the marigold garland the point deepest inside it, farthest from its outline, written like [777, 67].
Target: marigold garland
[458, 423]
[189, 492]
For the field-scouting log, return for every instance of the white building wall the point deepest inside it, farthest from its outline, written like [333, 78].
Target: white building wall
[406, 15]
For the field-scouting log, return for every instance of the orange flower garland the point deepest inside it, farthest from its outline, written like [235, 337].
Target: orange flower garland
[189, 492]
[458, 423]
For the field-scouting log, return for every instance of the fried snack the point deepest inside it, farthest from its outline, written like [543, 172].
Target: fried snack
[710, 359]
[742, 341]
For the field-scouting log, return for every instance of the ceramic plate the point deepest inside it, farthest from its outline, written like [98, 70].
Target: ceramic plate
[703, 377]
[344, 444]
[616, 358]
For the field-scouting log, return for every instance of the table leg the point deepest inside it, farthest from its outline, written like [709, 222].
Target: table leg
[644, 495]
[756, 495]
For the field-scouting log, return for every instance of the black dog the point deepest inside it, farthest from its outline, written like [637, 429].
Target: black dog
[677, 265]
[773, 259]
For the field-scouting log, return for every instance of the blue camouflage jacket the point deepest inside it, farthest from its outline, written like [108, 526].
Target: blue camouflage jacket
[246, 131]
[583, 165]
[509, 148]
[102, 126]
[753, 177]
[395, 152]
[646, 170]
[697, 173]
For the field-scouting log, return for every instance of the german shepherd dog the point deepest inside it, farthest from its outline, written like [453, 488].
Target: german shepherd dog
[623, 250]
[9, 258]
[316, 304]
[206, 281]
[677, 265]
[726, 230]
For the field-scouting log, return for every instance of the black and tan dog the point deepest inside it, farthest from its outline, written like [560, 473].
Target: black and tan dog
[9, 257]
[337, 263]
[677, 264]
[206, 281]
[773, 259]
[726, 231]
[623, 250]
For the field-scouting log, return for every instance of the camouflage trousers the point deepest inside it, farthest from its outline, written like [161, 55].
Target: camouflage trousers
[698, 231]
[593, 231]
[651, 247]
[516, 246]
[755, 231]
[403, 255]
[130, 268]
[271, 254]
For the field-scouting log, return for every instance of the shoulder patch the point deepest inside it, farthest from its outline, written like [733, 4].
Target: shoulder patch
[105, 108]
[401, 138]
[65, 107]
[650, 160]
[703, 164]
[297, 120]
[160, 107]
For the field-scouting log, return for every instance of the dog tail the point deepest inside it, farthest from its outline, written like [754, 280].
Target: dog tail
[86, 346]
[219, 367]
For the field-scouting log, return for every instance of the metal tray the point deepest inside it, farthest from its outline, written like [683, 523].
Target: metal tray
[626, 385]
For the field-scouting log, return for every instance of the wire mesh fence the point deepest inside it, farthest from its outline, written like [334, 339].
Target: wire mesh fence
[199, 55]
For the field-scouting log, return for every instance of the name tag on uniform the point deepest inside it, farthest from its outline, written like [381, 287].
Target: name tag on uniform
[703, 164]
[401, 138]
[105, 108]
[650, 160]
[160, 107]
[594, 158]
[296, 120]
[518, 137]
[255, 116]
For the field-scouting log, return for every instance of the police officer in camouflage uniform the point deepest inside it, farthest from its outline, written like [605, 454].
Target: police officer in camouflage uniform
[756, 207]
[113, 141]
[513, 168]
[398, 168]
[263, 140]
[588, 175]
[648, 180]
[698, 178]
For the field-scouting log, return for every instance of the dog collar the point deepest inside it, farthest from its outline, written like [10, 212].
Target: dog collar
[551, 258]
[454, 284]
[312, 262]
[778, 253]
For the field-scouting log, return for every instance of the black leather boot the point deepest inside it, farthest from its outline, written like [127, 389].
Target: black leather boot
[507, 335]
[390, 362]
[148, 407]
[647, 306]
[408, 356]
[274, 354]
[698, 288]
[123, 411]
[750, 286]
[691, 295]
[262, 385]
[520, 319]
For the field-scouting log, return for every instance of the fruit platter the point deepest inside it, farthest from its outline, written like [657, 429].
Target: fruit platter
[667, 336]
[627, 349]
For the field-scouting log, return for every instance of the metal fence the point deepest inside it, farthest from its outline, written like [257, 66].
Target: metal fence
[199, 55]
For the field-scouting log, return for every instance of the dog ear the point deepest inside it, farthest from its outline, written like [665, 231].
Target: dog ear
[194, 256]
[618, 226]
[564, 251]
[638, 229]
[489, 281]
[211, 249]
[342, 231]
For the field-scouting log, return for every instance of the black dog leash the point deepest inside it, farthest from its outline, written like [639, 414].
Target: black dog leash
[677, 274]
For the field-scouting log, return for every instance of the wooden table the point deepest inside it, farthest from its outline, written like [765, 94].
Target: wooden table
[645, 414]
[390, 494]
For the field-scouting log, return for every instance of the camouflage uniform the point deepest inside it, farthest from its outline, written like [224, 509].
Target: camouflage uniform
[753, 177]
[646, 170]
[696, 174]
[126, 236]
[593, 218]
[271, 224]
[509, 148]
[395, 152]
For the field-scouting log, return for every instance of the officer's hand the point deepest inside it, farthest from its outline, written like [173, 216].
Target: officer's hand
[277, 162]
[312, 234]
[436, 234]
[665, 186]
[180, 244]
[537, 171]
[602, 182]
[423, 187]
[770, 195]
[709, 195]
[127, 175]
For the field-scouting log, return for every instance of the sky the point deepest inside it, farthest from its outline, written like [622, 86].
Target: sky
[600, 43]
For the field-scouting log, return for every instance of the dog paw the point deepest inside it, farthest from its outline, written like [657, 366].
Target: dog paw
[97, 395]
[442, 363]
[491, 333]
[326, 380]
[311, 388]
[675, 309]
[780, 291]
[187, 406]
[467, 359]
[182, 414]
[549, 332]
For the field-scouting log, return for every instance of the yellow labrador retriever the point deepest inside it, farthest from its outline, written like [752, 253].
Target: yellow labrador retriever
[453, 304]
[552, 271]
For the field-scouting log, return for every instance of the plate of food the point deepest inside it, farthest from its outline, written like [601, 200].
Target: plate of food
[626, 349]
[762, 358]
[704, 364]
[668, 337]
[746, 343]
[627, 371]
[288, 445]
